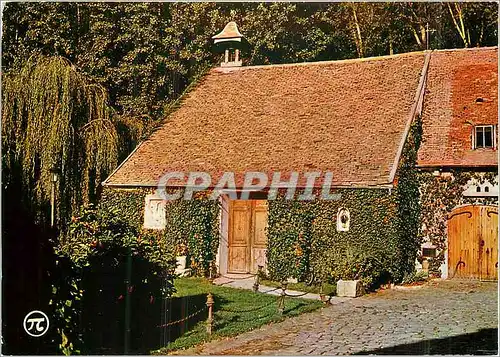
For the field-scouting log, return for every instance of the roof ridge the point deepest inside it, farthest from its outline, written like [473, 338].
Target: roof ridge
[348, 60]
[417, 105]
[488, 48]
[314, 63]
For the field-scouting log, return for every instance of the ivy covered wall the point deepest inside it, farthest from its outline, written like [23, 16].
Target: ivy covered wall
[439, 196]
[303, 237]
[192, 224]
[383, 239]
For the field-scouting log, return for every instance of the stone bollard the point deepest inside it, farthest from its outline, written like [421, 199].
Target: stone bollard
[257, 278]
[210, 271]
[349, 288]
[281, 299]
[210, 320]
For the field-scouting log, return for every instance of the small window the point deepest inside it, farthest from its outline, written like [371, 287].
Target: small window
[478, 189]
[429, 252]
[484, 136]
[486, 189]
[343, 220]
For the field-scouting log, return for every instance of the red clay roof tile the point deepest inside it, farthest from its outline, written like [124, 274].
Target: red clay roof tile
[347, 117]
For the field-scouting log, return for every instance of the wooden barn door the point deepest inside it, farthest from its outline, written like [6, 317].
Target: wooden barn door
[472, 242]
[247, 235]
[488, 253]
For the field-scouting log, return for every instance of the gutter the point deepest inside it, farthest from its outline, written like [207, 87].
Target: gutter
[416, 108]
[386, 186]
[457, 166]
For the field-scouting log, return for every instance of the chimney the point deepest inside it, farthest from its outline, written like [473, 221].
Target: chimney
[230, 41]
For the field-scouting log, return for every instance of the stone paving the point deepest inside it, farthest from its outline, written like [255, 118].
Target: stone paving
[247, 283]
[440, 317]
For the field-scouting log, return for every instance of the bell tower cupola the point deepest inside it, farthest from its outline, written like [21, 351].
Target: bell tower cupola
[230, 41]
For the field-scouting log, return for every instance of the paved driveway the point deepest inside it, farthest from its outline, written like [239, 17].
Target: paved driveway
[441, 317]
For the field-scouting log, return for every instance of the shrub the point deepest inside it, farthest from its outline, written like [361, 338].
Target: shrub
[103, 259]
[415, 277]
[354, 264]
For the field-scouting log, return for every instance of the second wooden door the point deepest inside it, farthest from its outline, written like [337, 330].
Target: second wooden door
[473, 243]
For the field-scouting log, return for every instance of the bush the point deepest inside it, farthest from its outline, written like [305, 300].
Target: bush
[415, 277]
[354, 264]
[104, 260]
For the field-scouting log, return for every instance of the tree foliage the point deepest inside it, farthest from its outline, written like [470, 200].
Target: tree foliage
[55, 117]
[145, 54]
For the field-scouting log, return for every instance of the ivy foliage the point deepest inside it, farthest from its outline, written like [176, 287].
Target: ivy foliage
[407, 193]
[303, 240]
[193, 224]
[289, 239]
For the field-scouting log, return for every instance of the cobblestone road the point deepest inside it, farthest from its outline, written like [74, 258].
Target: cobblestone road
[440, 317]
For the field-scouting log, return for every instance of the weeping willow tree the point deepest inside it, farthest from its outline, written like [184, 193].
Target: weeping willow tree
[55, 118]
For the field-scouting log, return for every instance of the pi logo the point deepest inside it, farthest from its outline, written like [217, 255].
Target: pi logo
[36, 323]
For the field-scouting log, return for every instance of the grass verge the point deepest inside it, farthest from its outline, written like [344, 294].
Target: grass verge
[328, 289]
[256, 309]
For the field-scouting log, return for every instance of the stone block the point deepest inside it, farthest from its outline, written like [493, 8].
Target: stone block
[349, 288]
[183, 272]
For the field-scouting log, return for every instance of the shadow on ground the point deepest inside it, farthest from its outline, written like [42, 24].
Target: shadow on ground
[483, 342]
[153, 326]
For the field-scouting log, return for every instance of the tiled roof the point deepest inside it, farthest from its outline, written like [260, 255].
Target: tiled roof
[347, 117]
[455, 81]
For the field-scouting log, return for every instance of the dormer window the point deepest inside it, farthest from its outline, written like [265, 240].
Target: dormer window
[484, 137]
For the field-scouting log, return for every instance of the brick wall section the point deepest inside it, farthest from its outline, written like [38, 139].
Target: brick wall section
[455, 80]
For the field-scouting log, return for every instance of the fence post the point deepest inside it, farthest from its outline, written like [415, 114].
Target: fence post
[210, 267]
[322, 295]
[210, 320]
[281, 299]
[257, 278]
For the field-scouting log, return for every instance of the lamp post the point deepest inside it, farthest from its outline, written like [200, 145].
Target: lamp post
[54, 177]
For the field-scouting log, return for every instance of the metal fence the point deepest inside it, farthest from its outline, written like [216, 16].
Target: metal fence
[181, 314]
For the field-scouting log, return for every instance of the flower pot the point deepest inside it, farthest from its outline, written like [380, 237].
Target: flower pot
[181, 262]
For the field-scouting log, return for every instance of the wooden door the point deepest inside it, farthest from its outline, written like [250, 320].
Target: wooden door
[472, 242]
[247, 235]
[239, 236]
[488, 243]
[259, 237]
